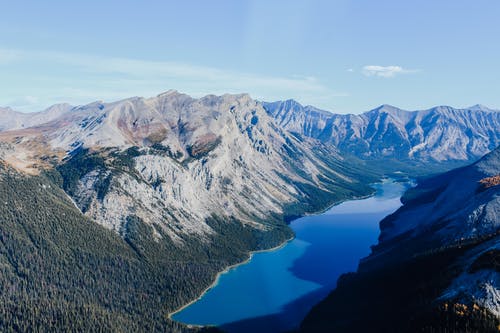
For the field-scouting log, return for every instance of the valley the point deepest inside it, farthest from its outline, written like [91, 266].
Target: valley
[249, 166]
[434, 268]
[281, 285]
[162, 194]
[126, 211]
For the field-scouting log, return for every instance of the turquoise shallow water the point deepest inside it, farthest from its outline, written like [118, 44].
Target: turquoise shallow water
[275, 289]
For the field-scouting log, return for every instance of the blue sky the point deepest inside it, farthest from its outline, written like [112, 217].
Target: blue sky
[344, 56]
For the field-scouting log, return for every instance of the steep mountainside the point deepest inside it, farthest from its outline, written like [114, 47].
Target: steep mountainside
[61, 272]
[149, 198]
[440, 134]
[174, 161]
[435, 268]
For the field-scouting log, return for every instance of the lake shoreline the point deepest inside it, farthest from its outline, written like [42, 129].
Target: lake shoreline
[251, 253]
[226, 270]
[322, 211]
[285, 287]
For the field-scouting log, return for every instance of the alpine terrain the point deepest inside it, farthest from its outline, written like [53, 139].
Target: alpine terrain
[116, 214]
[439, 137]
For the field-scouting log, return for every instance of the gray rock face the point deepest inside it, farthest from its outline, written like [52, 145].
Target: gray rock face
[220, 156]
[438, 134]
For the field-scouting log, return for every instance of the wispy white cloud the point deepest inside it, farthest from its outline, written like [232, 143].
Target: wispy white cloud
[386, 71]
[77, 78]
[173, 72]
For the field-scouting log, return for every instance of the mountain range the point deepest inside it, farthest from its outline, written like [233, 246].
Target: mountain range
[175, 189]
[175, 161]
[145, 200]
[439, 134]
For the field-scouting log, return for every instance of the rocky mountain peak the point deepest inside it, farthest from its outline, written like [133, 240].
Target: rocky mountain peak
[174, 161]
[439, 134]
[388, 108]
[480, 107]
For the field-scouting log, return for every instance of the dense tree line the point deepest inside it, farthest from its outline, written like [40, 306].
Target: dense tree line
[60, 271]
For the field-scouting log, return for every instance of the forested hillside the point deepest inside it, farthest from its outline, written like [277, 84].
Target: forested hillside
[61, 271]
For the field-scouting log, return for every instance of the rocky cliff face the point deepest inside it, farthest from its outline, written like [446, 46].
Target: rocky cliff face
[175, 162]
[439, 134]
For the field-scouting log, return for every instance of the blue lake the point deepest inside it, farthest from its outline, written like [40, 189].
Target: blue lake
[274, 291]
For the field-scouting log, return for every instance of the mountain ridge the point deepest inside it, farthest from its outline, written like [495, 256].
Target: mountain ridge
[182, 187]
[432, 136]
[479, 107]
[190, 157]
[186, 185]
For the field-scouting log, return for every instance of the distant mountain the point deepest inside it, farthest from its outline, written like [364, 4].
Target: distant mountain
[119, 213]
[436, 266]
[440, 134]
[12, 120]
